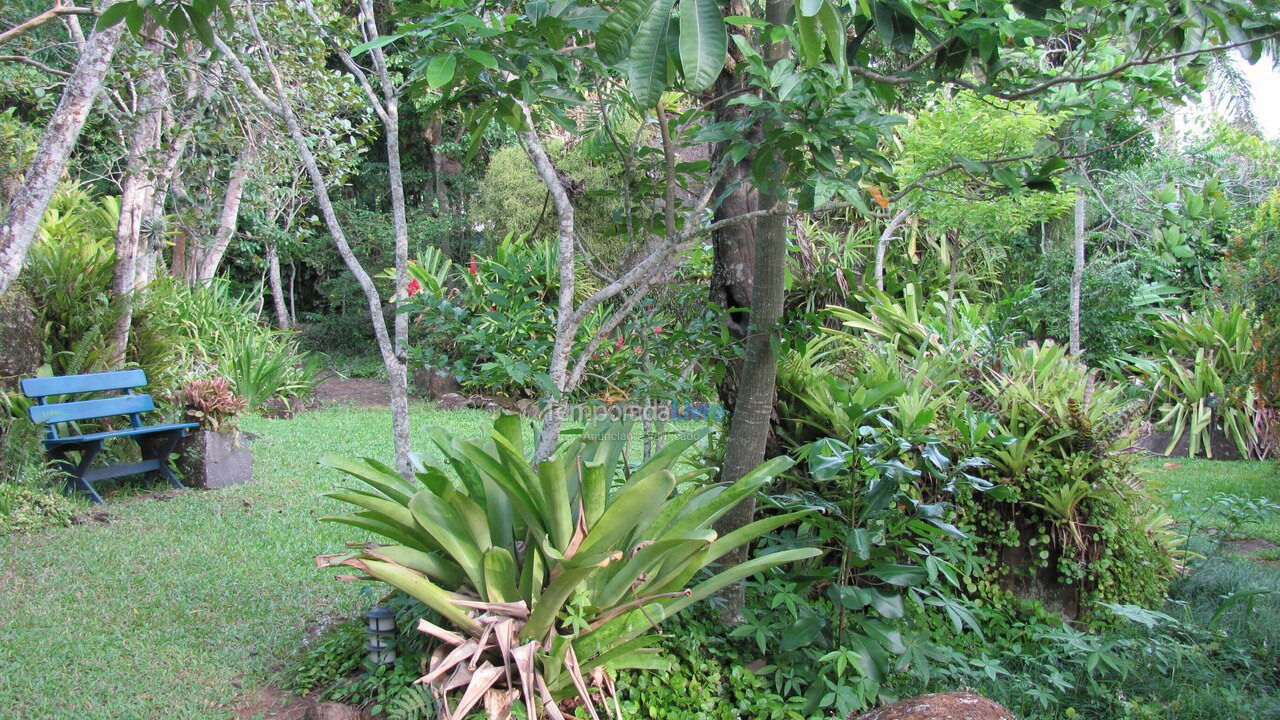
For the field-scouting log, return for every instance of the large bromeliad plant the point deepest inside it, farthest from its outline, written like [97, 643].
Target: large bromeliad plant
[550, 576]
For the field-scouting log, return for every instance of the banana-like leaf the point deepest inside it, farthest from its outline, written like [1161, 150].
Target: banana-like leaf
[703, 43]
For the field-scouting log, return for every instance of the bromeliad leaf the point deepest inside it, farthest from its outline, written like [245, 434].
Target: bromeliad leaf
[536, 568]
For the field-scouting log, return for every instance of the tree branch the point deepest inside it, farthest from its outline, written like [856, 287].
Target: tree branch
[58, 10]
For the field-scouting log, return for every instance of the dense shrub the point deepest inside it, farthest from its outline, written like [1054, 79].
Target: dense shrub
[1040, 441]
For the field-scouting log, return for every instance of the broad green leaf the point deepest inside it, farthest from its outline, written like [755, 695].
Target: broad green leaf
[703, 43]
[613, 42]
[380, 41]
[834, 31]
[555, 492]
[808, 8]
[647, 62]
[440, 70]
[739, 572]
[633, 507]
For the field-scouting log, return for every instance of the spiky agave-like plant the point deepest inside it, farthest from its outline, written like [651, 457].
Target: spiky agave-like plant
[550, 576]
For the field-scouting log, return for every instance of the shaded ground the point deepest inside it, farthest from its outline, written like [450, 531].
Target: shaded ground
[337, 391]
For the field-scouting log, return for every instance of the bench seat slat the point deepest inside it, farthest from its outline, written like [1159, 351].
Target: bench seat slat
[91, 409]
[115, 471]
[73, 384]
[128, 432]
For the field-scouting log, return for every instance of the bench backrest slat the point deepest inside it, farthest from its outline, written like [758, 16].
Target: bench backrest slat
[91, 409]
[73, 384]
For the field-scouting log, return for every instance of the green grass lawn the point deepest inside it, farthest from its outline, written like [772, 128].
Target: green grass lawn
[178, 606]
[1187, 485]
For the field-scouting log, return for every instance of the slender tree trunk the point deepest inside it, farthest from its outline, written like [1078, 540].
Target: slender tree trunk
[137, 192]
[277, 289]
[558, 363]
[283, 109]
[26, 209]
[399, 379]
[750, 426]
[206, 265]
[1077, 273]
[882, 246]
[199, 95]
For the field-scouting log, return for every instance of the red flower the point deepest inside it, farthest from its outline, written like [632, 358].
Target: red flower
[618, 345]
[638, 351]
[473, 267]
[657, 330]
[413, 288]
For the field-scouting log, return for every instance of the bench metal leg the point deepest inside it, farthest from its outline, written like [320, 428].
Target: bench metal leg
[76, 471]
[160, 448]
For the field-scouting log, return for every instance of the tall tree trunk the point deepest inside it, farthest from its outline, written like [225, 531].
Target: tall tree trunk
[1077, 273]
[26, 209]
[283, 109]
[399, 379]
[203, 84]
[734, 245]
[750, 426]
[277, 289]
[558, 363]
[137, 191]
[206, 262]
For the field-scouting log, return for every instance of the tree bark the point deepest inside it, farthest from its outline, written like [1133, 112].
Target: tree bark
[203, 82]
[283, 320]
[202, 265]
[751, 423]
[1077, 273]
[26, 209]
[137, 191]
[399, 380]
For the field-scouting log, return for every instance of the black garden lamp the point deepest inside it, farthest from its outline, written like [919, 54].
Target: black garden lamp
[381, 629]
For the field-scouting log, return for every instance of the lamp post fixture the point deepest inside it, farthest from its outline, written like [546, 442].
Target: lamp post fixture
[381, 629]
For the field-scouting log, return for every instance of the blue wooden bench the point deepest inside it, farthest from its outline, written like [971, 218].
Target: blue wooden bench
[156, 442]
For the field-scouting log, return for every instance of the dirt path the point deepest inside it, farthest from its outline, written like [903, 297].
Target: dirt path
[337, 391]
